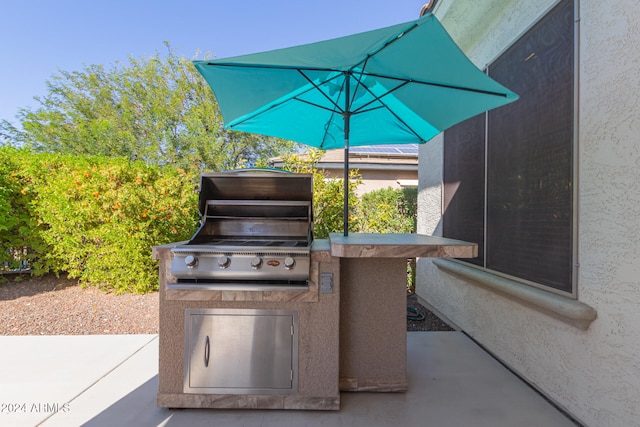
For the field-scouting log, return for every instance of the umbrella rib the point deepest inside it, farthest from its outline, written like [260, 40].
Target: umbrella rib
[402, 121]
[379, 99]
[361, 109]
[270, 67]
[335, 104]
[284, 67]
[337, 108]
[322, 107]
[359, 80]
[387, 44]
[297, 99]
[442, 85]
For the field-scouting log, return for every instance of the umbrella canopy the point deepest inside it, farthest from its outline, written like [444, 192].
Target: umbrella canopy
[395, 85]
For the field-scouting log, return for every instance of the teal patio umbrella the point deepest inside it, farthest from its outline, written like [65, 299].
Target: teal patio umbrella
[396, 85]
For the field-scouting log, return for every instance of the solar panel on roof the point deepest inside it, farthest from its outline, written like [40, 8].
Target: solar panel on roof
[387, 149]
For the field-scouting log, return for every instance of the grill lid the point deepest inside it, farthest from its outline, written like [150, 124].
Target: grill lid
[254, 184]
[250, 204]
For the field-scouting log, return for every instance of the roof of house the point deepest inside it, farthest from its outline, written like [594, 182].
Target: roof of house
[390, 156]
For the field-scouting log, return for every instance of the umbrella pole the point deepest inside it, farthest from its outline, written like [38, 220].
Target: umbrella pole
[346, 179]
[347, 119]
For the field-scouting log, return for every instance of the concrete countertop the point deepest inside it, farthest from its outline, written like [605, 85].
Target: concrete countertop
[399, 245]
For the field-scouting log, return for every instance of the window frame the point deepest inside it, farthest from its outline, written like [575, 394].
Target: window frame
[573, 228]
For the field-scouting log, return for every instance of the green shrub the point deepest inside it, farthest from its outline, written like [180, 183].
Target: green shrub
[392, 211]
[18, 238]
[98, 218]
[328, 195]
[389, 211]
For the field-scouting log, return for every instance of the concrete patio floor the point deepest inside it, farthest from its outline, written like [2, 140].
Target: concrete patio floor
[111, 380]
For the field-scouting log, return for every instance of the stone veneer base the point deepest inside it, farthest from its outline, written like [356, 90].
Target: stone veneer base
[248, 401]
[382, 386]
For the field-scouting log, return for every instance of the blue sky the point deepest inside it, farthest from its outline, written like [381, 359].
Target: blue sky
[41, 37]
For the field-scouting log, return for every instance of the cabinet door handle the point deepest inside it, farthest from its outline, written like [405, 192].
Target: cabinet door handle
[207, 349]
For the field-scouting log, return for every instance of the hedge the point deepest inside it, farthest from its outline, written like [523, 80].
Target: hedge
[94, 218]
[389, 210]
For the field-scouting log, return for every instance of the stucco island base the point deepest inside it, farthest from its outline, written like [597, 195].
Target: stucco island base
[373, 301]
[317, 378]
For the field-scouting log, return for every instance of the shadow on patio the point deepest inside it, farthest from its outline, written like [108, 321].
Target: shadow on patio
[453, 382]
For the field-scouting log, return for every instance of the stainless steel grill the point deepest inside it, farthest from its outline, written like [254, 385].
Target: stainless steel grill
[255, 233]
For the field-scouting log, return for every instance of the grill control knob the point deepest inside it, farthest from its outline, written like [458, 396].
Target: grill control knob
[289, 263]
[256, 262]
[224, 261]
[190, 261]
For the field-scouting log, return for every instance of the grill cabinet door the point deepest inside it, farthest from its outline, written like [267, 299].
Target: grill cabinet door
[240, 351]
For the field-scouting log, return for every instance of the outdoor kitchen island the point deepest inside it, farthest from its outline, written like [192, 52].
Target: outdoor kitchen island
[350, 326]
[373, 301]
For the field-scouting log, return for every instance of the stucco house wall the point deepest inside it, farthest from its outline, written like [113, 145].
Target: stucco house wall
[378, 171]
[591, 369]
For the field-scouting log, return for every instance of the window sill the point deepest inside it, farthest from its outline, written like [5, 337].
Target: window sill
[560, 307]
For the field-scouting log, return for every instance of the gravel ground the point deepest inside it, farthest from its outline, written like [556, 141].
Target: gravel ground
[58, 306]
